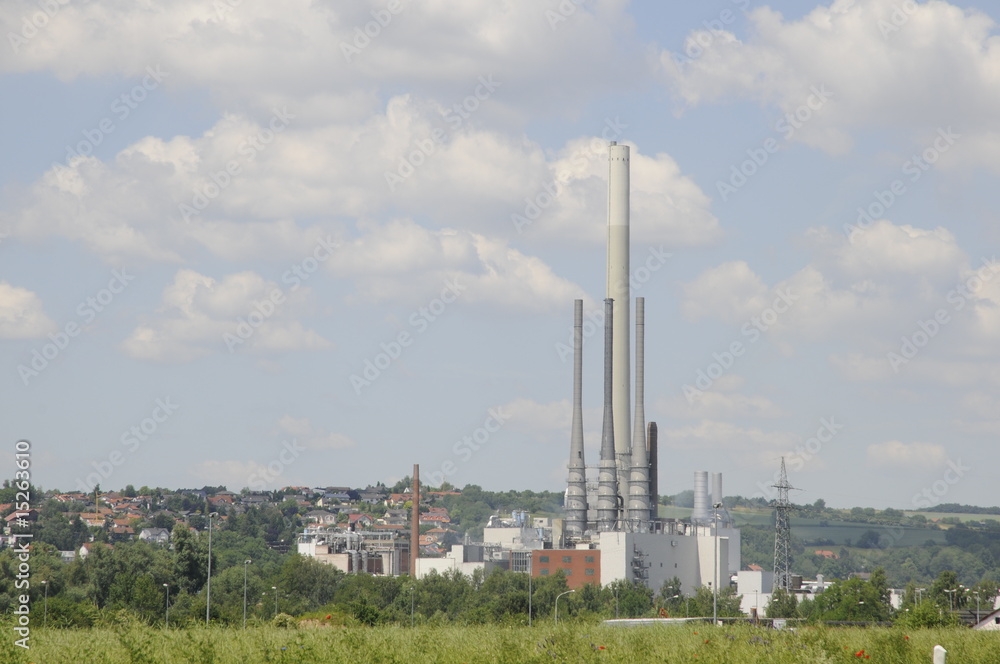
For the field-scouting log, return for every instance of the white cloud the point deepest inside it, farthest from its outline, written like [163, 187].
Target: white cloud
[21, 314]
[896, 454]
[197, 312]
[718, 405]
[404, 261]
[938, 69]
[311, 438]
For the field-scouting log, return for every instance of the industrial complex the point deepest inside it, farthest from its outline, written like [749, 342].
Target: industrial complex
[610, 530]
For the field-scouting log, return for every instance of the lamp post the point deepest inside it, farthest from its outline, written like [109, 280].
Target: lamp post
[557, 603]
[208, 583]
[275, 589]
[951, 596]
[411, 605]
[166, 605]
[45, 619]
[715, 572]
[246, 564]
[616, 602]
[530, 559]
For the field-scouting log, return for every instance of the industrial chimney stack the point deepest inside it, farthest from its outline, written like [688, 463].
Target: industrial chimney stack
[618, 290]
[576, 485]
[638, 505]
[607, 488]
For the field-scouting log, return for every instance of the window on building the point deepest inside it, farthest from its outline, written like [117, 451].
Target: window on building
[588, 559]
[569, 572]
[544, 572]
[567, 559]
[543, 559]
[589, 572]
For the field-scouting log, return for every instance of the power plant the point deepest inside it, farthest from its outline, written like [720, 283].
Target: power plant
[612, 530]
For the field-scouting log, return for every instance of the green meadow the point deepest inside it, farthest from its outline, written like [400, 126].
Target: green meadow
[132, 643]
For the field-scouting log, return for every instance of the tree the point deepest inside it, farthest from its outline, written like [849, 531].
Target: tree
[783, 604]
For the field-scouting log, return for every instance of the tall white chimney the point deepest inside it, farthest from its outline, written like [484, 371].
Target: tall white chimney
[576, 485]
[618, 290]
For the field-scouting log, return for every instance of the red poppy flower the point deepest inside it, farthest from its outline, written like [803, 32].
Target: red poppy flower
[860, 653]
[328, 616]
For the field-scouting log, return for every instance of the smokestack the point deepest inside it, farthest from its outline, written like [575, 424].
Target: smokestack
[415, 522]
[724, 519]
[576, 485]
[700, 514]
[607, 488]
[618, 290]
[654, 470]
[638, 506]
[716, 488]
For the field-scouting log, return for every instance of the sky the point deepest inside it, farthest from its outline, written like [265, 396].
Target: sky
[314, 243]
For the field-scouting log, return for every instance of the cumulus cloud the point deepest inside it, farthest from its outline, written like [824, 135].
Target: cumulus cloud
[311, 438]
[896, 454]
[937, 69]
[404, 261]
[718, 405]
[199, 315]
[21, 314]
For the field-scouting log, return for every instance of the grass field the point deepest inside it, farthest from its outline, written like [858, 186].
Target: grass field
[572, 642]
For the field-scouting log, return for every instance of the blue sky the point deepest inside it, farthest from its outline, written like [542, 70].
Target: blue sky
[217, 217]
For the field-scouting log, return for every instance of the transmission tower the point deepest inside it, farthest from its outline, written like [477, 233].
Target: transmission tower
[782, 533]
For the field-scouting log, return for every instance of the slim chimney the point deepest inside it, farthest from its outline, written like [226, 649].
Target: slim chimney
[607, 488]
[654, 470]
[638, 505]
[415, 522]
[576, 485]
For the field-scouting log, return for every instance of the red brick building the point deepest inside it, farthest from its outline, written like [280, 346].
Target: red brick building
[581, 566]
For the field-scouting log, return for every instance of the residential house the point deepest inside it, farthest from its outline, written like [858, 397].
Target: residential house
[155, 535]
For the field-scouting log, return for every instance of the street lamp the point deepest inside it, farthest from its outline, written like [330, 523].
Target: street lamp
[208, 591]
[275, 589]
[557, 603]
[715, 572]
[166, 605]
[951, 596]
[530, 559]
[246, 564]
[45, 619]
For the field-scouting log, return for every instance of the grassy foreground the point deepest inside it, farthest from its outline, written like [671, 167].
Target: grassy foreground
[573, 643]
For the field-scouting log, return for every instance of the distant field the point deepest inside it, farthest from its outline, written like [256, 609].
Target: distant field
[837, 531]
[961, 516]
